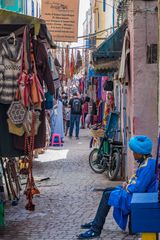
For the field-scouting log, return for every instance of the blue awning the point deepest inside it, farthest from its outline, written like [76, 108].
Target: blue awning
[111, 48]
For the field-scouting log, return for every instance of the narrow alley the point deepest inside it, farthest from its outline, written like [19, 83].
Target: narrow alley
[68, 198]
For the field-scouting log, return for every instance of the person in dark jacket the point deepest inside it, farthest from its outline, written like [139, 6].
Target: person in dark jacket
[120, 197]
[75, 104]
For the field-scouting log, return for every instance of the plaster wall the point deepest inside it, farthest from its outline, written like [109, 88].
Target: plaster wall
[104, 19]
[142, 108]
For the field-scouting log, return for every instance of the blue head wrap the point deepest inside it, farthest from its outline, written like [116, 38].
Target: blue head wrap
[141, 144]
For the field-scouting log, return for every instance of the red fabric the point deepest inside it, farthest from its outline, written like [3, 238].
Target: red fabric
[85, 107]
[72, 65]
[67, 71]
[81, 86]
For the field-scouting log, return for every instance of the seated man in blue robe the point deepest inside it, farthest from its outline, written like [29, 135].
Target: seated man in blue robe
[120, 197]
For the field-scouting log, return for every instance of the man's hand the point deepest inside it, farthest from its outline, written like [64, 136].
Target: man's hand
[124, 185]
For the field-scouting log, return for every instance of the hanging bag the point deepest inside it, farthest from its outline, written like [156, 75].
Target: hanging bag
[24, 81]
[16, 112]
[19, 131]
[37, 94]
[30, 90]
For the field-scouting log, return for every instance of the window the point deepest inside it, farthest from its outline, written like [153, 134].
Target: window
[104, 5]
[10, 3]
[26, 10]
[37, 10]
[32, 8]
[152, 53]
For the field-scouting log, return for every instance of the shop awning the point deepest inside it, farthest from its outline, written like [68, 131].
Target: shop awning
[111, 48]
[12, 21]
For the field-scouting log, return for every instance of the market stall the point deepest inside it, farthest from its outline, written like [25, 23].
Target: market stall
[25, 75]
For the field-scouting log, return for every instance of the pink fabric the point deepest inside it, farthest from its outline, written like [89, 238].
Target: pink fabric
[104, 92]
[85, 107]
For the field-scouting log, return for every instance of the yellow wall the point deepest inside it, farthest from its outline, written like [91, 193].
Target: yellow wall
[103, 19]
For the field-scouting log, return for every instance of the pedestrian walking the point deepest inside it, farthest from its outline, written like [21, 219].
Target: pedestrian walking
[120, 197]
[84, 113]
[75, 104]
[67, 119]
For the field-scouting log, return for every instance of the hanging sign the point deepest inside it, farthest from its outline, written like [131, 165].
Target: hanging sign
[61, 17]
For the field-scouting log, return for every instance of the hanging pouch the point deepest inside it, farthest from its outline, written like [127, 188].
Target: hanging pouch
[19, 131]
[16, 112]
[27, 123]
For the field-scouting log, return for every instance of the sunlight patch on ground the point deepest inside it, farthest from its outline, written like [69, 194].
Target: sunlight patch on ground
[53, 155]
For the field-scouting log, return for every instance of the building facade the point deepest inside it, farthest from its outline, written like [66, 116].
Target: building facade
[105, 19]
[142, 90]
[27, 7]
[32, 8]
[138, 94]
[12, 5]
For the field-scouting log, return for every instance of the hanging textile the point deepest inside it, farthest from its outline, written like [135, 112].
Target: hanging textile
[55, 76]
[54, 71]
[103, 91]
[81, 85]
[124, 70]
[100, 111]
[7, 148]
[72, 65]
[109, 106]
[63, 66]
[57, 119]
[78, 60]
[67, 73]
[99, 88]
[10, 62]
[44, 75]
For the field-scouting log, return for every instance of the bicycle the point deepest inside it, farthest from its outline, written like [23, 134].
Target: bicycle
[96, 132]
[109, 154]
[12, 178]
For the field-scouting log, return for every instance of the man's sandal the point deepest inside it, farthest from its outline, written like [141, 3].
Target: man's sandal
[90, 234]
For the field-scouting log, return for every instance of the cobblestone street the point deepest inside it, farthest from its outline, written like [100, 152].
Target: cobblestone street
[68, 198]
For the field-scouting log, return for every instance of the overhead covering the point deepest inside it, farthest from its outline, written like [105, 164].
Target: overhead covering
[111, 48]
[12, 21]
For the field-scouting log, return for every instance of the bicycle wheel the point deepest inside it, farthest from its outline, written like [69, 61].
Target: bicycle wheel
[96, 161]
[115, 165]
[13, 179]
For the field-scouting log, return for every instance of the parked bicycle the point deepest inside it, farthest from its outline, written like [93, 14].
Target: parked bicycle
[11, 178]
[109, 154]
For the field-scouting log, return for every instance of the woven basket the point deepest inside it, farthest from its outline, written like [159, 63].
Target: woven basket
[97, 133]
